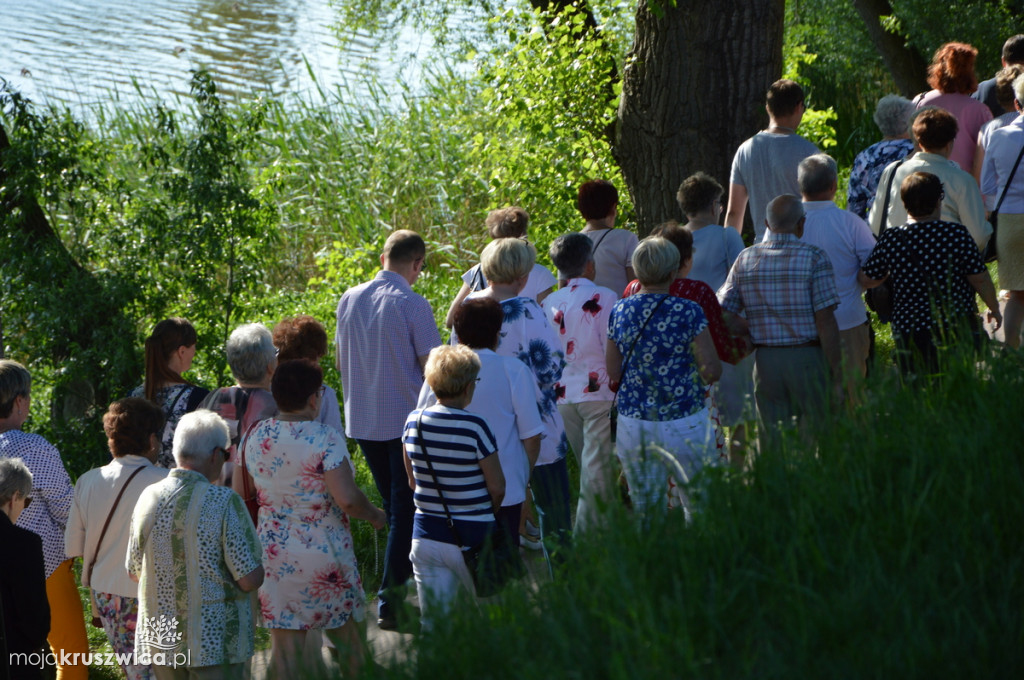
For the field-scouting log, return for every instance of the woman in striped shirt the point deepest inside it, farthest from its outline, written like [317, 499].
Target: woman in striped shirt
[452, 467]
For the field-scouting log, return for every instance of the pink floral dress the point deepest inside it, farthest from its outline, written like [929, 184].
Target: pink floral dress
[311, 576]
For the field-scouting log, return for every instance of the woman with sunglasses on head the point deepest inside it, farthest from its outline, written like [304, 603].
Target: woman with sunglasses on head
[307, 492]
[101, 518]
[46, 517]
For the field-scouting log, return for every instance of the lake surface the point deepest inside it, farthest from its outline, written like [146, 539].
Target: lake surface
[85, 52]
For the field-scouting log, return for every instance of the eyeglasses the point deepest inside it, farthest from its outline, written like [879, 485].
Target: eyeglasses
[321, 391]
[224, 452]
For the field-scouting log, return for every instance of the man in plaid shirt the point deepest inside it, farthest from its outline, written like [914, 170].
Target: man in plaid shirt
[787, 290]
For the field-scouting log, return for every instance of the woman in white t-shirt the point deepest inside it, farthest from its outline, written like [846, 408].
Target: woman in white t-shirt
[508, 222]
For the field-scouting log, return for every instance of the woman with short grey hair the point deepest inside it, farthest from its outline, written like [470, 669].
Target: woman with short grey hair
[659, 357]
[252, 358]
[26, 619]
[892, 116]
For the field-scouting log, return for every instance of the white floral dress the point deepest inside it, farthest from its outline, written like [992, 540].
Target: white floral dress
[311, 576]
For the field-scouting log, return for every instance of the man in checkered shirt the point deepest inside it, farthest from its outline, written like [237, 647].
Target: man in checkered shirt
[786, 288]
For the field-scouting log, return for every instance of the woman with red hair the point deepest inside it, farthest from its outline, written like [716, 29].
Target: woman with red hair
[952, 78]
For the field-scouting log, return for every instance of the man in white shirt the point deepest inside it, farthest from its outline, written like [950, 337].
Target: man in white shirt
[580, 311]
[848, 242]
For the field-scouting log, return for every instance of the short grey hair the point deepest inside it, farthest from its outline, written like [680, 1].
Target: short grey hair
[505, 260]
[1018, 89]
[15, 478]
[197, 435]
[250, 350]
[892, 115]
[570, 253]
[15, 381]
[784, 212]
[816, 174]
[655, 260]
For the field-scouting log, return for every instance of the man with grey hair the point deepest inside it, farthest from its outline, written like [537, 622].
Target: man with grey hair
[252, 358]
[196, 556]
[385, 333]
[848, 241]
[787, 289]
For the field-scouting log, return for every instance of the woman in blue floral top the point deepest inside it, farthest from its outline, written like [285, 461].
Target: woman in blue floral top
[892, 116]
[527, 335]
[660, 354]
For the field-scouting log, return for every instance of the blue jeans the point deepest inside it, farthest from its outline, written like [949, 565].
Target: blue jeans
[387, 465]
[550, 485]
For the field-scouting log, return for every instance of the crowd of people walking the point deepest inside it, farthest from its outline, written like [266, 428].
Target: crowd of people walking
[228, 509]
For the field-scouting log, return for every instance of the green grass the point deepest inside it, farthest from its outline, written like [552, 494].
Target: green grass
[892, 550]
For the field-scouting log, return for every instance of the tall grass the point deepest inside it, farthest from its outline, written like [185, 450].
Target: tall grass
[891, 550]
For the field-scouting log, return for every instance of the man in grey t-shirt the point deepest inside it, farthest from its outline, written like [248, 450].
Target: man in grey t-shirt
[765, 166]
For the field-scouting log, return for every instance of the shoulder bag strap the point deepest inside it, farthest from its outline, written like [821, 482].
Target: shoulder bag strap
[1006, 187]
[642, 329]
[888, 197]
[437, 483]
[103, 531]
[594, 249]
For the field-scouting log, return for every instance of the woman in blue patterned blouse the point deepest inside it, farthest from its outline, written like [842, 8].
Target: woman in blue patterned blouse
[660, 355]
[892, 116]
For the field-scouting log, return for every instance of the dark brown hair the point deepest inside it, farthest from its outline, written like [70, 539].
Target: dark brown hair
[167, 337]
[129, 423]
[677, 235]
[300, 337]
[935, 128]
[294, 382]
[478, 322]
[783, 97]
[921, 193]
[596, 199]
[510, 222]
[697, 192]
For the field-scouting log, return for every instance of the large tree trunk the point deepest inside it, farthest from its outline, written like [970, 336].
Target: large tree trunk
[693, 89]
[908, 68]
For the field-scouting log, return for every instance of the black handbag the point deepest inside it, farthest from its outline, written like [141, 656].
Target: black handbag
[991, 254]
[493, 563]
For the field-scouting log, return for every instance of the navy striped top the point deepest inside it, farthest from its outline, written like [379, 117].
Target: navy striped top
[456, 441]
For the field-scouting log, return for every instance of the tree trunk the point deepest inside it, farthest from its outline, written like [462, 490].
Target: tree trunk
[908, 68]
[693, 89]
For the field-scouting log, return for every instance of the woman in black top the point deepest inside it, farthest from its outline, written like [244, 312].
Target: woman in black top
[936, 269]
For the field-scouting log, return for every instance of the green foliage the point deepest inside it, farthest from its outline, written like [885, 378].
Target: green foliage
[887, 549]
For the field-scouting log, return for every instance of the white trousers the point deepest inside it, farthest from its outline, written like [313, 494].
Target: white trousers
[651, 451]
[440, 573]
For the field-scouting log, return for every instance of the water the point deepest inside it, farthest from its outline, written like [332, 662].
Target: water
[87, 52]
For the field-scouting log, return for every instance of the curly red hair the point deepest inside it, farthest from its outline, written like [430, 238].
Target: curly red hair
[952, 69]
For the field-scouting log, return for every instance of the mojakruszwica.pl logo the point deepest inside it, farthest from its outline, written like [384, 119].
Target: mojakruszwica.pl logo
[157, 642]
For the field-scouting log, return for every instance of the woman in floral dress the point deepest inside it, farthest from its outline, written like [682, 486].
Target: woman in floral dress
[169, 353]
[307, 491]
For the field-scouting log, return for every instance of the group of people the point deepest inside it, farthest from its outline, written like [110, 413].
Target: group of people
[221, 510]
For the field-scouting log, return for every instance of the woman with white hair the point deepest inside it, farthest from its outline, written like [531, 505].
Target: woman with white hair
[26, 613]
[1002, 184]
[252, 358]
[892, 116]
[46, 516]
[196, 557]
[660, 355]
